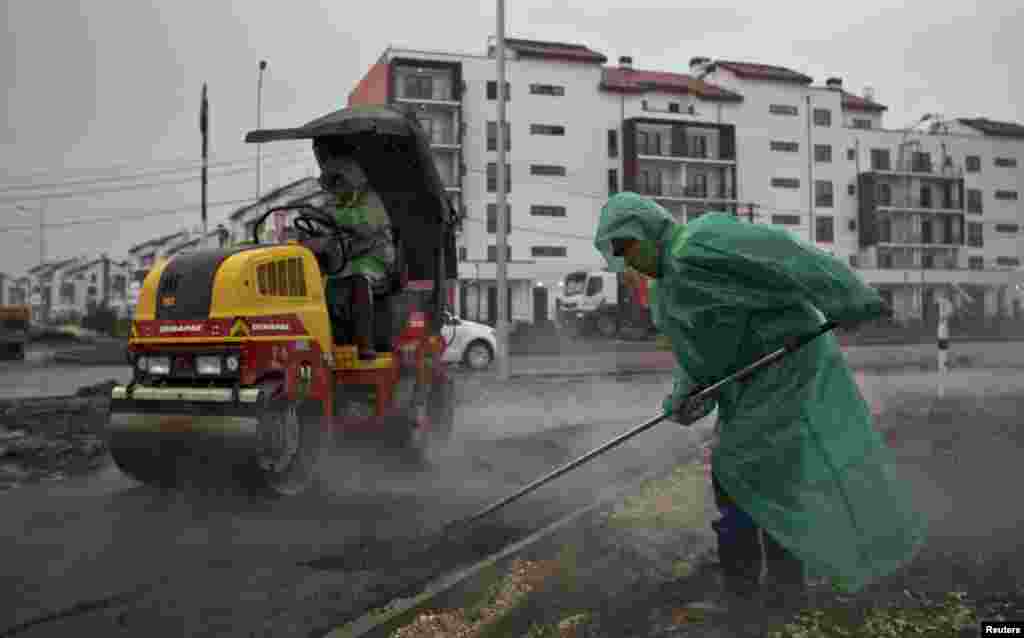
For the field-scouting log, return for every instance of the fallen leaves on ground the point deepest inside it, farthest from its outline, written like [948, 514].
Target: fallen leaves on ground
[523, 578]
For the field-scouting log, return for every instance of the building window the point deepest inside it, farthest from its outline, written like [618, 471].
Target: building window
[926, 196]
[650, 182]
[547, 211]
[880, 159]
[613, 181]
[822, 153]
[884, 260]
[492, 253]
[1008, 261]
[547, 170]
[974, 201]
[786, 220]
[492, 90]
[851, 154]
[822, 117]
[973, 163]
[861, 123]
[885, 231]
[698, 146]
[463, 253]
[1006, 162]
[851, 189]
[921, 162]
[785, 182]
[419, 87]
[783, 109]
[613, 143]
[547, 251]
[546, 129]
[975, 235]
[546, 89]
[492, 218]
[673, 107]
[784, 147]
[976, 263]
[1006, 195]
[492, 136]
[823, 194]
[824, 229]
[92, 291]
[1007, 228]
[648, 143]
[492, 177]
[853, 261]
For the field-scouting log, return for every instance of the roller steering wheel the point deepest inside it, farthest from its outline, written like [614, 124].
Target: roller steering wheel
[312, 226]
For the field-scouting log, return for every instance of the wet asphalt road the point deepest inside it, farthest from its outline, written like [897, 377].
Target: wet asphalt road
[222, 564]
[184, 559]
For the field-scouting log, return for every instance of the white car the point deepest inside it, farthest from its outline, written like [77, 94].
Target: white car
[471, 343]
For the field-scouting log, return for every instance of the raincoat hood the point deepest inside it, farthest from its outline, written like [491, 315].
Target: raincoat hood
[632, 216]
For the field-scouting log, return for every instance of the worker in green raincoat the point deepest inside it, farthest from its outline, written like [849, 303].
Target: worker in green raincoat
[361, 290]
[799, 469]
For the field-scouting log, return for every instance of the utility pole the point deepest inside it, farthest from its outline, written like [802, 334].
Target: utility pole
[810, 177]
[204, 128]
[259, 123]
[502, 253]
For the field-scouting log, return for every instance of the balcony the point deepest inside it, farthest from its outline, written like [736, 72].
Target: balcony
[436, 96]
[918, 204]
[689, 153]
[678, 191]
[918, 169]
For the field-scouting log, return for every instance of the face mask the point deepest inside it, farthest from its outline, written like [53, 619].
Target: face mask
[645, 258]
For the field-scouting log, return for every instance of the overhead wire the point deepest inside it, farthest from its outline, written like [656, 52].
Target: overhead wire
[130, 187]
[8, 188]
[119, 169]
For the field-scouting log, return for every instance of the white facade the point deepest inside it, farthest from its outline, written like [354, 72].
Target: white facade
[776, 132]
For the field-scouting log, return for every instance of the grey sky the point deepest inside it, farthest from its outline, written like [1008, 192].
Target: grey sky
[98, 84]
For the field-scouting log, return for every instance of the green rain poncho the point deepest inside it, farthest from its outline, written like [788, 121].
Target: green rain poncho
[797, 449]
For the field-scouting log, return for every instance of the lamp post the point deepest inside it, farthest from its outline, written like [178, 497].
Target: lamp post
[502, 207]
[259, 122]
[42, 215]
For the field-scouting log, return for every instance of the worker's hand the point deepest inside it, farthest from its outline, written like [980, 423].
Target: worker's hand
[686, 412]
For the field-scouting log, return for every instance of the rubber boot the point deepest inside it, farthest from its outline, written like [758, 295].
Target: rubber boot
[784, 578]
[740, 562]
[362, 318]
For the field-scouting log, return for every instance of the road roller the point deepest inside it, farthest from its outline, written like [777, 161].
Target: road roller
[241, 364]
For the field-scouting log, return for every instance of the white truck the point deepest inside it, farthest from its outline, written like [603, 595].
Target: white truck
[598, 303]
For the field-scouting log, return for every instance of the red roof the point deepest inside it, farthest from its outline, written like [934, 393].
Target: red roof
[993, 127]
[554, 51]
[633, 81]
[754, 71]
[852, 102]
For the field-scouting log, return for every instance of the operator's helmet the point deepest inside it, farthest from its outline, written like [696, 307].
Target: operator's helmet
[339, 172]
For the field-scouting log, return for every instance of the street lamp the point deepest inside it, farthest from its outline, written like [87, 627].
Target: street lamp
[42, 214]
[259, 121]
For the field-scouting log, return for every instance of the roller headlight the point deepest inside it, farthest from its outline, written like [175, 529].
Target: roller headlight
[208, 365]
[231, 362]
[142, 364]
[159, 365]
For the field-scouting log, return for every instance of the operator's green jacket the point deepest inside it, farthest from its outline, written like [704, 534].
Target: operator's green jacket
[372, 248]
[797, 449]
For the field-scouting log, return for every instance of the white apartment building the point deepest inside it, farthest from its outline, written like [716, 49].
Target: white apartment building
[913, 211]
[92, 283]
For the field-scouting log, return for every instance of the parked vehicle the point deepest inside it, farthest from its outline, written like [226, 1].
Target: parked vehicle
[473, 344]
[14, 331]
[600, 303]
